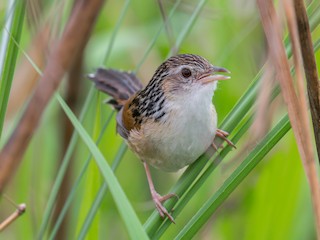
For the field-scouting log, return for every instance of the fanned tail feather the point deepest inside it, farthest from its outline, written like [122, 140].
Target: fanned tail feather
[119, 85]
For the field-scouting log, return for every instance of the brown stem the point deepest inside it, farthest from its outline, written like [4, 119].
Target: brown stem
[310, 68]
[297, 111]
[75, 35]
[20, 210]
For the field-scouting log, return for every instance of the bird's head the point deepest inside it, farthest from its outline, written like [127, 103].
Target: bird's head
[187, 73]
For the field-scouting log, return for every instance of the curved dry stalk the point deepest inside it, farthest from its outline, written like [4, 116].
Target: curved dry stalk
[73, 39]
[298, 112]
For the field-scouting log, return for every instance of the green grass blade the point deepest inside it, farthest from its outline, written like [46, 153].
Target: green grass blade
[154, 40]
[125, 209]
[76, 184]
[184, 32]
[254, 157]
[9, 52]
[103, 190]
[115, 31]
[62, 170]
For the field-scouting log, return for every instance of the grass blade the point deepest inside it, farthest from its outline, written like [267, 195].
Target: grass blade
[184, 32]
[75, 186]
[62, 170]
[126, 211]
[153, 41]
[103, 190]
[115, 31]
[9, 52]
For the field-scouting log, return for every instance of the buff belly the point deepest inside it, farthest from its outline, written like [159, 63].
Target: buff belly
[175, 144]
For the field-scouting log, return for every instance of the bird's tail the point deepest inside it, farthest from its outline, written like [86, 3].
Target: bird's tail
[119, 85]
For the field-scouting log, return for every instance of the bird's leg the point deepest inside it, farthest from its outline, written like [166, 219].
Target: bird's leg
[223, 135]
[157, 198]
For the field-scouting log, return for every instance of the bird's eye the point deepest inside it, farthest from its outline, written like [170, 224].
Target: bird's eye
[186, 72]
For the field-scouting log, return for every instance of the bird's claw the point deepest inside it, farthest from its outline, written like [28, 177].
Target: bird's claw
[223, 135]
[158, 200]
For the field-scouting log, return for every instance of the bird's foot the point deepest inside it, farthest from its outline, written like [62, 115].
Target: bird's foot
[223, 135]
[158, 200]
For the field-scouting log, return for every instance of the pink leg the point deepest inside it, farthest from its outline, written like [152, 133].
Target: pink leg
[157, 198]
[223, 135]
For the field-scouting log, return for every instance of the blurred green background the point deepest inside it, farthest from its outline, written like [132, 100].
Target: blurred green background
[272, 203]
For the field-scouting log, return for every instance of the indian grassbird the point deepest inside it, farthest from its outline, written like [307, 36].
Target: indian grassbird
[171, 122]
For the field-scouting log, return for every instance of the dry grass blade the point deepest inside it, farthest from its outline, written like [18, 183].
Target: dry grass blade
[297, 111]
[61, 59]
[313, 84]
[263, 112]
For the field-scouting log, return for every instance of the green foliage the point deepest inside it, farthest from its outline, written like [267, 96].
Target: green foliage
[8, 56]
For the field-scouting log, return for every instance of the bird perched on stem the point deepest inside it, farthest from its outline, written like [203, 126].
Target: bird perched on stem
[171, 122]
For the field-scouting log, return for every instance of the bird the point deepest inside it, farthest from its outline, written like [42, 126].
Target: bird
[171, 121]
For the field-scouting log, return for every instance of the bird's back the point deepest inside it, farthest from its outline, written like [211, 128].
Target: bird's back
[121, 86]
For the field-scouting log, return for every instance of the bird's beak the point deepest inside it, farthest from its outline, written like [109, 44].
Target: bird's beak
[212, 76]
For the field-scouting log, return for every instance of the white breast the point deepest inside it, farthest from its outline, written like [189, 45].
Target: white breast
[184, 134]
